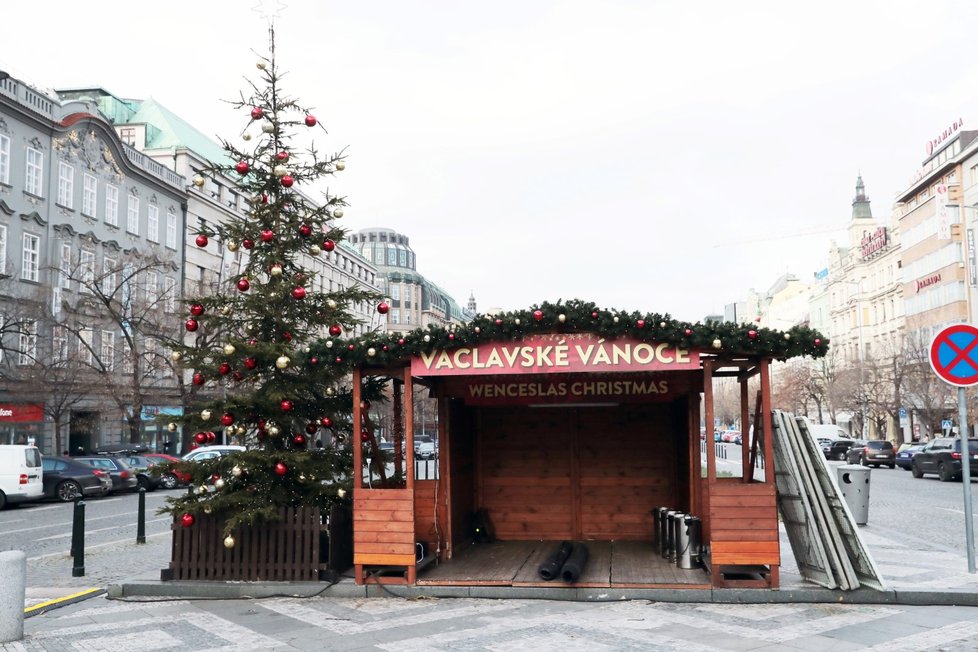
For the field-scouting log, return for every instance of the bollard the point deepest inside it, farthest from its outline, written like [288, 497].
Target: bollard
[78, 539]
[141, 518]
[13, 592]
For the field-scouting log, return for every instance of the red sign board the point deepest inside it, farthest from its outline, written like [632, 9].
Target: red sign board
[580, 389]
[21, 413]
[553, 354]
[954, 355]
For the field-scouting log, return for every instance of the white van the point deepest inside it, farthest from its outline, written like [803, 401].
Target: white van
[828, 431]
[21, 474]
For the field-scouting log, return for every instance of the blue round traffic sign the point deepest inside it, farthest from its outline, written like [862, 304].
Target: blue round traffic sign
[954, 355]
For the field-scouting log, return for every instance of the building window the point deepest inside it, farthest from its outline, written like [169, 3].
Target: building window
[109, 280]
[153, 223]
[86, 265]
[31, 258]
[391, 256]
[66, 184]
[152, 288]
[89, 195]
[112, 205]
[28, 343]
[132, 215]
[59, 343]
[395, 315]
[64, 278]
[4, 159]
[171, 229]
[3, 249]
[974, 174]
[128, 136]
[396, 292]
[128, 359]
[34, 177]
[108, 350]
[403, 258]
[85, 345]
[170, 292]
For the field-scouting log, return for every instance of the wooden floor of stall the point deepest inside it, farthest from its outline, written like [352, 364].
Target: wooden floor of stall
[622, 564]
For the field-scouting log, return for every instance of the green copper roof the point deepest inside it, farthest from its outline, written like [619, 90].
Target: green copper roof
[173, 132]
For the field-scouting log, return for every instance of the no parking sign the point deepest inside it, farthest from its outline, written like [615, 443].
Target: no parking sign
[954, 355]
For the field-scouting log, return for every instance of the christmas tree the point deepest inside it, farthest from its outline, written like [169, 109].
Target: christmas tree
[249, 357]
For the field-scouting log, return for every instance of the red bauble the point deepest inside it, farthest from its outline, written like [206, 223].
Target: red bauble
[538, 315]
[243, 284]
[198, 378]
[350, 347]
[310, 121]
[238, 376]
[287, 336]
[311, 428]
[364, 435]
[339, 360]
[225, 368]
[193, 446]
[328, 245]
[335, 330]
[242, 167]
[752, 334]
[257, 113]
[211, 437]
[247, 243]
[365, 404]
[281, 469]
[499, 322]
[314, 360]
[287, 181]
[640, 323]
[264, 198]
[250, 363]
[187, 520]
[299, 439]
[451, 336]
[191, 325]
[282, 156]
[200, 437]
[267, 235]
[286, 405]
[326, 422]
[688, 332]
[305, 230]
[299, 293]
[227, 419]
[818, 341]
[196, 310]
[201, 240]
[383, 308]
[400, 341]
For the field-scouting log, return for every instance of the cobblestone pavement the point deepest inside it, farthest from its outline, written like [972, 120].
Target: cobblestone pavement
[454, 624]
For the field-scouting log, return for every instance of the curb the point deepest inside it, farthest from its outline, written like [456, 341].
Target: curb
[48, 605]
[348, 589]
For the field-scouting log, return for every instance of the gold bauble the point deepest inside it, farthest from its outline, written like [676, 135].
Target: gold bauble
[229, 542]
[302, 477]
[477, 330]
[205, 415]
[239, 430]
[198, 181]
[340, 165]
[338, 213]
[232, 246]
[226, 310]
[331, 303]
[787, 336]
[268, 128]
[208, 509]
[273, 431]
[246, 137]
[329, 344]
[315, 250]
[427, 338]
[662, 324]
[261, 65]
[219, 483]
[202, 489]
[517, 321]
[279, 171]
[329, 391]
[276, 270]
[229, 349]
[341, 492]
[282, 361]
[615, 319]
[717, 343]
[561, 318]
[175, 356]
[236, 471]
[371, 352]
[172, 427]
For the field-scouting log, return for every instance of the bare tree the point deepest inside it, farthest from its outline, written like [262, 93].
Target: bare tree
[931, 398]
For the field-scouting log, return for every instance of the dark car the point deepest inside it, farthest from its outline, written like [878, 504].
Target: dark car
[905, 455]
[66, 479]
[123, 476]
[141, 465]
[835, 449]
[172, 478]
[943, 457]
[873, 452]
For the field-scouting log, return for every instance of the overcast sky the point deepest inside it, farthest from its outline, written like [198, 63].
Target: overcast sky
[652, 156]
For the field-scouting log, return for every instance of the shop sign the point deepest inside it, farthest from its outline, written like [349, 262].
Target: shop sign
[584, 389]
[925, 282]
[555, 353]
[874, 242]
[935, 143]
[10, 412]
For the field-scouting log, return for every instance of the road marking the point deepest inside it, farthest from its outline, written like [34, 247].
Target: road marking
[63, 601]
[103, 529]
[49, 525]
[954, 511]
[99, 545]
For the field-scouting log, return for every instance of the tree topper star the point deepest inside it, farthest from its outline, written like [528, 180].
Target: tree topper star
[269, 9]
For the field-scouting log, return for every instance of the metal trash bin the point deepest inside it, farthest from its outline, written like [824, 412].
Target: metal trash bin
[854, 485]
[689, 543]
[675, 527]
[658, 513]
[668, 544]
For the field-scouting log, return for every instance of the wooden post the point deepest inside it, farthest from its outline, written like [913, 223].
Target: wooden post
[711, 463]
[745, 464]
[766, 419]
[409, 425]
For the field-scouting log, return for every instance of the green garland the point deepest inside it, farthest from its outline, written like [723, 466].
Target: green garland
[725, 339]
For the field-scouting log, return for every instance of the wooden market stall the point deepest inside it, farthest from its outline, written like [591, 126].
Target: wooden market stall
[568, 424]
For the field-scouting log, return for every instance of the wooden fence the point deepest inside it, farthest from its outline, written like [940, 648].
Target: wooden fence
[297, 548]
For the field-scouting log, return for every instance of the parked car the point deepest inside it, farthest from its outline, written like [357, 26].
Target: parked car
[873, 452]
[942, 456]
[66, 479]
[123, 476]
[170, 479]
[835, 449]
[424, 448]
[207, 452]
[905, 454]
[21, 474]
[141, 465]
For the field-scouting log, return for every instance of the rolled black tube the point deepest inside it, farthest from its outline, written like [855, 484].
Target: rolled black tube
[78, 539]
[574, 565]
[141, 517]
[551, 568]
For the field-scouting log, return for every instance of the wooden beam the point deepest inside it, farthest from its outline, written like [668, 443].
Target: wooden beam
[711, 463]
[766, 417]
[409, 426]
[355, 435]
[745, 432]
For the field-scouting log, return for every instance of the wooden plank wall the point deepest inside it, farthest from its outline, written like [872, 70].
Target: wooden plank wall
[743, 526]
[460, 478]
[575, 473]
[424, 513]
[383, 531]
